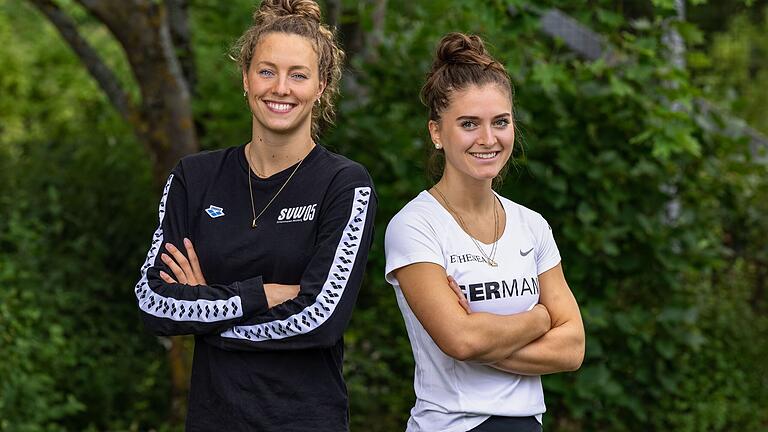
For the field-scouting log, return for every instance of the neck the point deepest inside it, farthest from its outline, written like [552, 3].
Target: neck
[270, 152]
[466, 195]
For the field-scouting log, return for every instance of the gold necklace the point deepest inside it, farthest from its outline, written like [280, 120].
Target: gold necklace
[488, 258]
[250, 189]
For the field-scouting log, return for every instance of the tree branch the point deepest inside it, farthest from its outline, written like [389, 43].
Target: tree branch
[374, 38]
[178, 21]
[168, 126]
[333, 13]
[90, 58]
[592, 46]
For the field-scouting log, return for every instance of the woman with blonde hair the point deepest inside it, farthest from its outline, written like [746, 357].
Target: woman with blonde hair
[477, 276]
[261, 247]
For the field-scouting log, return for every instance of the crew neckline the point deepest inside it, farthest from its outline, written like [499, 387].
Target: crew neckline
[278, 175]
[458, 225]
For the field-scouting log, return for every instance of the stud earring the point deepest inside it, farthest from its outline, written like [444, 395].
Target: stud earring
[245, 93]
[438, 146]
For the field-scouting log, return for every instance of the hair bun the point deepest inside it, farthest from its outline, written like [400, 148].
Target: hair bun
[461, 60]
[277, 8]
[459, 48]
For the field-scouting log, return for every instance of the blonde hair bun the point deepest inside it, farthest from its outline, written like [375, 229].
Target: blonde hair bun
[277, 8]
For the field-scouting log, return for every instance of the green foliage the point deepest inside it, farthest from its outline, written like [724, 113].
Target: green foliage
[659, 218]
[75, 219]
[220, 109]
[610, 152]
[733, 70]
[77, 355]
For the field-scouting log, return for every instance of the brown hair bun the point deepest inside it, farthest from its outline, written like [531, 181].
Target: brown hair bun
[459, 48]
[461, 60]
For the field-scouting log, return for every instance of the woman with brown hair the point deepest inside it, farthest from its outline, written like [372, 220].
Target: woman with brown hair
[478, 359]
[261, 247]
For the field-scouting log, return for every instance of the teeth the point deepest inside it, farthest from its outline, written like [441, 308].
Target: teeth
[279, 106]
[485, 155]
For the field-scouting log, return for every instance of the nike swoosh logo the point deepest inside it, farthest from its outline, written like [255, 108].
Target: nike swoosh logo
[525, 253]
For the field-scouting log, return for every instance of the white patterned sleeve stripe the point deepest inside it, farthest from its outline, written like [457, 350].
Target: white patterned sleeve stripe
[174, 309]
[314, 315]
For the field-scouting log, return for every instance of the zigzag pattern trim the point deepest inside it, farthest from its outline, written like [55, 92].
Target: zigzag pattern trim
[175, 309]
[314, 315]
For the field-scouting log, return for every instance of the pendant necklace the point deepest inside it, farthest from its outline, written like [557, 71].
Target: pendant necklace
[488, 258]
[250, 189]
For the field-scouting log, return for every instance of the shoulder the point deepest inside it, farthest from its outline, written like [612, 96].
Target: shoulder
[414, 235]
[343, 169]
[522, 214]
[420, 207]
[209, 156]
[419, 214]
[341, 176]
[201, 164]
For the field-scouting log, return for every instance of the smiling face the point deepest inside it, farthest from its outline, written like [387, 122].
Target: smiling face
[476, 132]
[283, 83]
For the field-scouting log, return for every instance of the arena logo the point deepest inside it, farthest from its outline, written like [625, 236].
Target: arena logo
[297, 214]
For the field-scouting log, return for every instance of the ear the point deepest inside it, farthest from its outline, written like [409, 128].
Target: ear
[434, 132]
[321, 89]
[245, 79]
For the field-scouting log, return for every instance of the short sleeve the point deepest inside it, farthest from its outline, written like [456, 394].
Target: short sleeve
[547, 254]
[409, 239]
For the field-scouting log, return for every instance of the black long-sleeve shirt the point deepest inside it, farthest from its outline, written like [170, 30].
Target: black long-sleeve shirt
[257, 368]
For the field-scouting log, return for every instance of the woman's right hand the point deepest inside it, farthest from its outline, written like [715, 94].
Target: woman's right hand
[279, 293]
[543, 312]
[457, 290]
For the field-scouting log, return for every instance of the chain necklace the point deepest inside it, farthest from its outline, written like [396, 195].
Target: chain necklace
[250, 189]
[489, 258]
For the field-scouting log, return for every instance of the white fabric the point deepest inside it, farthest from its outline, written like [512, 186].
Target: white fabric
[452, 395]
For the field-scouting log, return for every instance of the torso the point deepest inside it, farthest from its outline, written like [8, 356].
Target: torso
[454, 395]
[264, 390]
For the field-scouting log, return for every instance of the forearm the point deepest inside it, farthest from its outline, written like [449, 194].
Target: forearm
[177, 309]
[328, 289]
[559, 350]
[490, 337]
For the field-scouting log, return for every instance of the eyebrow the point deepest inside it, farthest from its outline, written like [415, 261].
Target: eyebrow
[506, 114]
[294, 67]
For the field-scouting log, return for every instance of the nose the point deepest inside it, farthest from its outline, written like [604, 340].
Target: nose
[281, 87]
[486, 136]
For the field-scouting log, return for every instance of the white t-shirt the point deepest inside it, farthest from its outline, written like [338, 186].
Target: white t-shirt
[452, 395]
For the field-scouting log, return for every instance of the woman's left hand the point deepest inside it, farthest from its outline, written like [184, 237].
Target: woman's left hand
[186, 271]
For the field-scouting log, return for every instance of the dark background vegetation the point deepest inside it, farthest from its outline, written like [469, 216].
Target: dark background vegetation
[658, 202]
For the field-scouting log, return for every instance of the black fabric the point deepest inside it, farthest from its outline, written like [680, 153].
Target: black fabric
[289, 378]
[509, 424]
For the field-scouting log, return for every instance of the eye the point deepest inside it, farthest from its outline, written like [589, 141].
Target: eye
[501, 123]
[468, 124]
[299, 76]
[266, 73]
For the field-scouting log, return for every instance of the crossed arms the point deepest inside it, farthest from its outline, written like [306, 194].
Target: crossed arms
[547, 339]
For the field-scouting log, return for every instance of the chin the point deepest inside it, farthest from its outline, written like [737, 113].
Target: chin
[283, 126]
[486, 174]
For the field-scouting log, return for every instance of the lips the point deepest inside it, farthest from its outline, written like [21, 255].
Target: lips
[279, 107]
